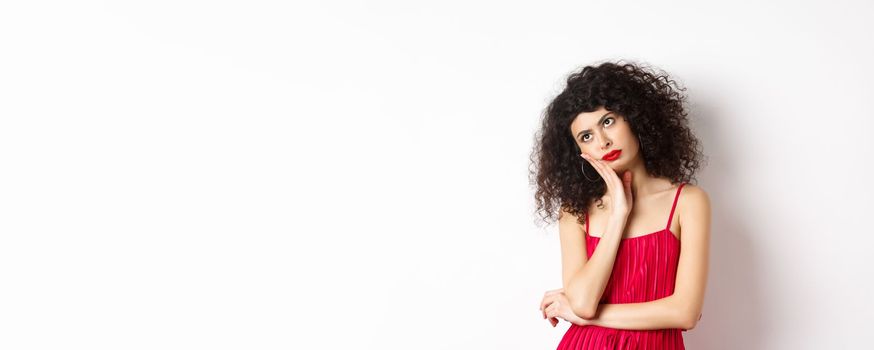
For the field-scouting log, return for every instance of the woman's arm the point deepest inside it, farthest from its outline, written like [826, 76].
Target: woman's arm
[585, 285]
[683, 308]
[657, 314]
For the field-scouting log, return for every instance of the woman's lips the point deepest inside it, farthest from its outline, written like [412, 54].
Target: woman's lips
[612, 155]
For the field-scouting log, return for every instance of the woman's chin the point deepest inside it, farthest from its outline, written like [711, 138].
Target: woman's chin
[619, 165]
[618, 168]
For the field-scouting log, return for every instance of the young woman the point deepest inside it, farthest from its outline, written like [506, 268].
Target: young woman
[613, 162]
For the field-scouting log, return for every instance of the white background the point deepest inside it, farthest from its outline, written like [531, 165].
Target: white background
[275, 175]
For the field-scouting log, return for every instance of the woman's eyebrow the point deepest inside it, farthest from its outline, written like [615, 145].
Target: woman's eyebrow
[579, 134]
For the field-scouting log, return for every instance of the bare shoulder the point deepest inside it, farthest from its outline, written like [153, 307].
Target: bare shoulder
[568, 218]
[693, 209]
[694, 196]
[573, 246]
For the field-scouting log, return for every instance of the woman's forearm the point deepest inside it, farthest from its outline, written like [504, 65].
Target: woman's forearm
[586, 286]
[657, 314]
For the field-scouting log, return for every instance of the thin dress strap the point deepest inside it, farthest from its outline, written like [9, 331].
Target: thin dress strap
[587, 224]
[674, 206]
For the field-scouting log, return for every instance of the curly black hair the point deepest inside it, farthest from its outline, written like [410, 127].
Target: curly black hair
[647, 98]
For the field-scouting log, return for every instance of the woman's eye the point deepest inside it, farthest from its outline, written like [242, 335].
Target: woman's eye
[584, 139]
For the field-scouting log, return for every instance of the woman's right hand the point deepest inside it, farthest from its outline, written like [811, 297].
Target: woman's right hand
[619, 190]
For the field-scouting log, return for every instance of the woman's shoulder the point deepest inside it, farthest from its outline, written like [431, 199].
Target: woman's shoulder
[693, 200]
[693, 193]
[565, 215]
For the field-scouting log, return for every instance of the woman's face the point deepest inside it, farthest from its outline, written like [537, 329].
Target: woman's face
[602, 133]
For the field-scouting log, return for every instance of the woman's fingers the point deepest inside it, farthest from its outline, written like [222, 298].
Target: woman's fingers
[626, 185]
[544, 308]
[554, 291]
[547, 299]
[551, 315]
[608, 174]
[595, 164]
[617, 189]
[611, 177]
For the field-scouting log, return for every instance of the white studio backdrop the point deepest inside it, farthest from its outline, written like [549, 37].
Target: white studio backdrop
[332, 175]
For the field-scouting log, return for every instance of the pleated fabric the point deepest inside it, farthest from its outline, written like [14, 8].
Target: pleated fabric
[645, 269]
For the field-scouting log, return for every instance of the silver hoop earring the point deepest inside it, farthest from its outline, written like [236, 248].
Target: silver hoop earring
[583, 168]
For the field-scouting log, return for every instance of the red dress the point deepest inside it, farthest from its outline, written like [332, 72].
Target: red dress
[645, 269]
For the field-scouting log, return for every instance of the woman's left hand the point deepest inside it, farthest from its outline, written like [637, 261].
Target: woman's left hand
[555, 305]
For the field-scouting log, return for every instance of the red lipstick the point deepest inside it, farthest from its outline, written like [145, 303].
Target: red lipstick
[612, 155]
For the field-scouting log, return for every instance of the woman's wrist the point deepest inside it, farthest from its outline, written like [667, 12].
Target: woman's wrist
[618, 223]
[579, 321]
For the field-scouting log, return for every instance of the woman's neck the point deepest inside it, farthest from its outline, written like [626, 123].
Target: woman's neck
[642, 184]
